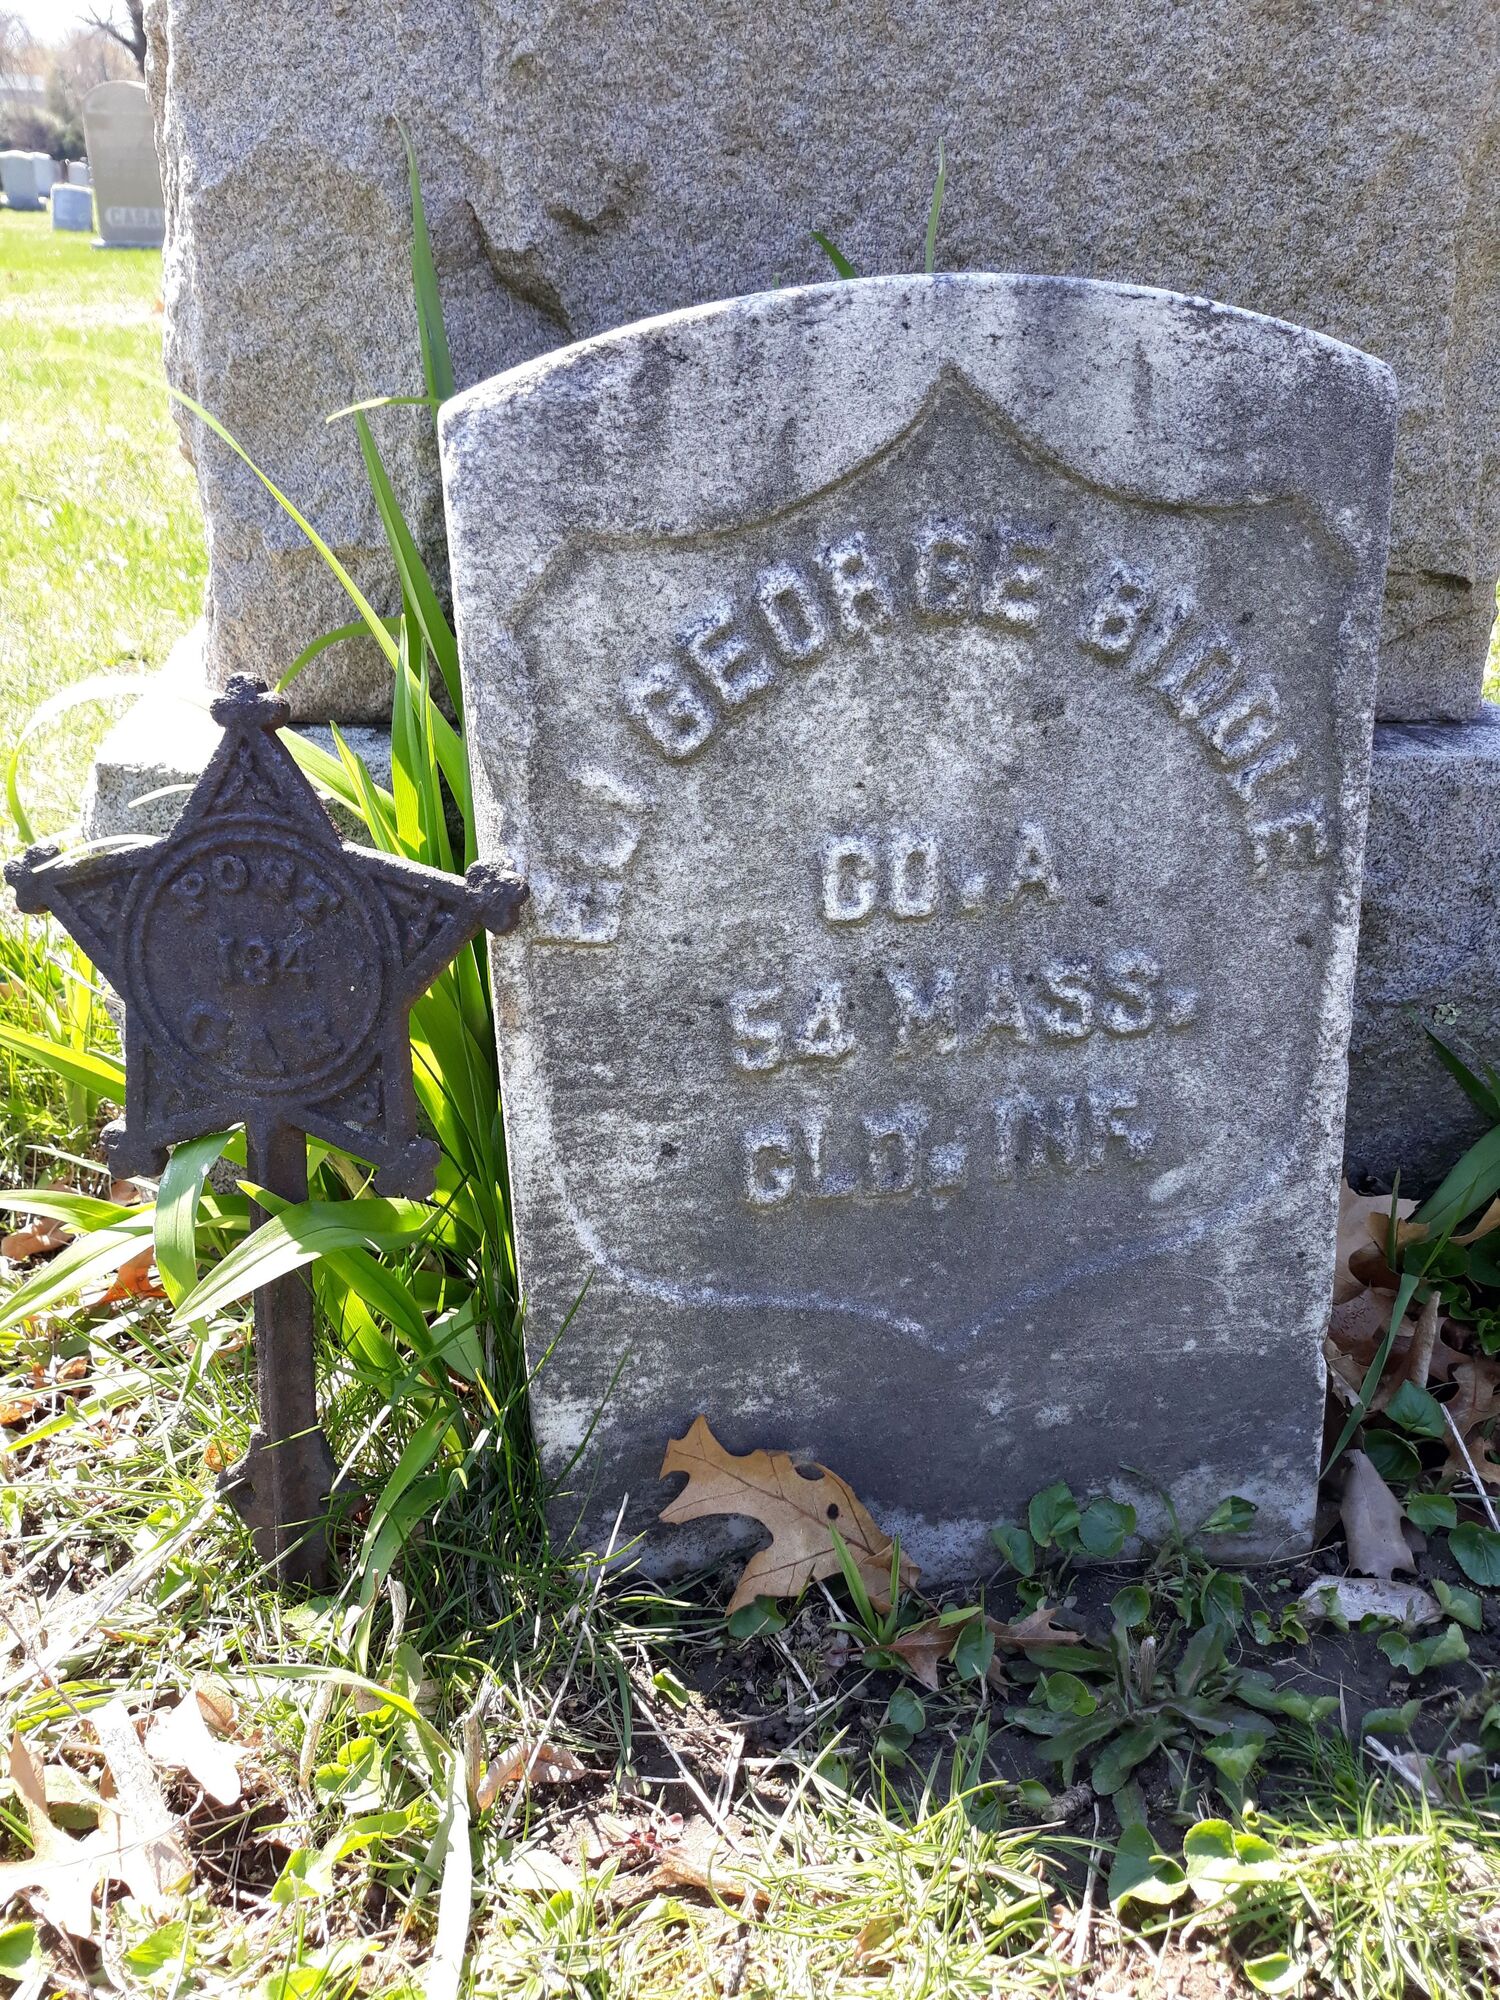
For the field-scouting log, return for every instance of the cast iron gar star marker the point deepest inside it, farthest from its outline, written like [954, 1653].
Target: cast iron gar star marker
[267, 969]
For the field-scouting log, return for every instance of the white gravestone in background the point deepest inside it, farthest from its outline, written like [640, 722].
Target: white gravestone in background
[23, 181]
[933, 716]
[122, 166]
[72, 207]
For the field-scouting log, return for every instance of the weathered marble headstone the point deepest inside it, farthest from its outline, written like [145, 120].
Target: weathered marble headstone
[72, 207]
[122, 161]
[934, 719]
[78, 173]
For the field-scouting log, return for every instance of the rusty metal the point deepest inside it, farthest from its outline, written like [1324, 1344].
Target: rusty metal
[267, 969]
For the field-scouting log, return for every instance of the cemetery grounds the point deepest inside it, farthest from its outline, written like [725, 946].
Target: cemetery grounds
[485, 1767]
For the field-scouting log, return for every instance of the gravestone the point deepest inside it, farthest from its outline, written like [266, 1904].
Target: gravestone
[72, 207]
[584, 168]
[78, 173]
[23, 181]
[122, 163]
[933, 717]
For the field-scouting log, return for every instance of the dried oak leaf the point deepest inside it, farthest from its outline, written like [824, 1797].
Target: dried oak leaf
[1035, 1629]
[1478, 1398]
[135, 1279]
[179, 1739]
[62, 1872]
[701, 1859]
[142, 1846]
[38, 1238]
[1363, 1223]
[922, 1647]
[797, 1506]
[1372, 1519]
[528, 1764]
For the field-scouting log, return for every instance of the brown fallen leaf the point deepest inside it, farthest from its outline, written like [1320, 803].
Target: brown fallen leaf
[1363, 1223]
[15, 1410]
[701, 1859]
[525, 1764]
[796, 1505]
[1478, 1380]
[1035, 1629]
[179, 1739]
[922, 1647]
[129, 1194]
[37, 1238]
[1372, 1519]
[61, 1872]
[1417, 1232]
[140, 1835]
[1356, 1332]
[135, 1279]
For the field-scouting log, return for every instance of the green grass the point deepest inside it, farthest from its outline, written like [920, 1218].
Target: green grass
[101, 539]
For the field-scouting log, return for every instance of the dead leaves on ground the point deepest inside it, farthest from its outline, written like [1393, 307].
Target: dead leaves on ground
[527, 1764]
[37, 1238]
[1373, 1522]
[1429, 1347]
[136, 1840]
[798, 1505]
[180, 1739]
[922, 1648]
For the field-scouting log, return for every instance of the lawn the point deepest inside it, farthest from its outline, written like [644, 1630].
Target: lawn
[101, 539]
[483, 1765]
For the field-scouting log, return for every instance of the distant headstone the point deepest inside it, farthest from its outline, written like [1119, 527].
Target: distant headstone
[72, 207]
[122, 160]
[78, 173]
[22, 179]
[933, 716]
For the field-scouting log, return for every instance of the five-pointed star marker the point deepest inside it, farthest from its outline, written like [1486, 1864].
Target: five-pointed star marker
[267, 967]
[267, 970]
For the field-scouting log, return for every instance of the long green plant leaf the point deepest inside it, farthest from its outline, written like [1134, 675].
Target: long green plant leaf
[101, 1074]
[416, 584]
[298, 1236]
[79, 1211]
[94, 687]
[177, 1201]
[437, 363]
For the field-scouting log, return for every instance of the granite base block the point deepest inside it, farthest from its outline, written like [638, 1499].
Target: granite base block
[151, 759]
[1429, 950]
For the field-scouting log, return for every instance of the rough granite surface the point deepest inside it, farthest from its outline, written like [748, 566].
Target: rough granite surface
[1429, 950]
[933, 717]
[587, 164]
